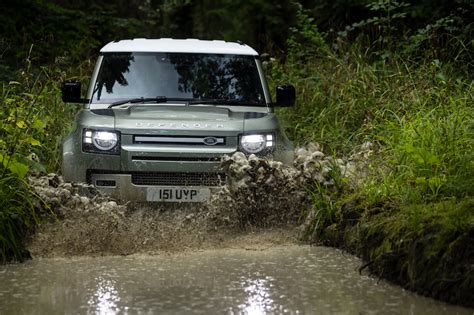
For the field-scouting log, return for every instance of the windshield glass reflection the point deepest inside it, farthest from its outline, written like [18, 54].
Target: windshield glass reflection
[178, 75]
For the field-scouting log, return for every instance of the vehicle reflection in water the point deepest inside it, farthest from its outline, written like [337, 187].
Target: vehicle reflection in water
[286, 279]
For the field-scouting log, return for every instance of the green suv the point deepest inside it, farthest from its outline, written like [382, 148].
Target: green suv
[160, 114]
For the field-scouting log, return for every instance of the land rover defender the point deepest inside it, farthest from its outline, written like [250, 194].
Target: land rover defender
[160, 113]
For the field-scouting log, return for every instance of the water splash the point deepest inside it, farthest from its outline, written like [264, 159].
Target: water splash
[260, 194]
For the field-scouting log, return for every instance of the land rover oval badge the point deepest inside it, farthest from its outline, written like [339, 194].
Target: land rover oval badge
[210, 141]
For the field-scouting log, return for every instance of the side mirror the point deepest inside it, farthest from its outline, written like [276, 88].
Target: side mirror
[71, 91]
[285, 95]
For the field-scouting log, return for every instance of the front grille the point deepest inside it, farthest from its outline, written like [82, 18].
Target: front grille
[181, 140]
[178, 179]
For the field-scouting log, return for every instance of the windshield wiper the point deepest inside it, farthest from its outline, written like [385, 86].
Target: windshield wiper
[224, 102]
[158, 99]
[164, 99]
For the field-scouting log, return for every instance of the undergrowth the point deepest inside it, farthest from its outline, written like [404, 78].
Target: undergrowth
[33, 122]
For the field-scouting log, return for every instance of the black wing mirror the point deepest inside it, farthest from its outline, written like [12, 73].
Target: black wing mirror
[71, 92]
[285, 95]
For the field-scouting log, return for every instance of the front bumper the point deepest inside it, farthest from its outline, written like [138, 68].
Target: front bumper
[161, 158]
[142, 186]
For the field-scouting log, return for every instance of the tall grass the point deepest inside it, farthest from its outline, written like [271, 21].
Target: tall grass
[18, 216]
[33, 122]
[419, 117]
[431, 150]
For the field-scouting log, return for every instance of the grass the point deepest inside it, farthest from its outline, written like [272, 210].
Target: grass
[18, 217]
[34, 121]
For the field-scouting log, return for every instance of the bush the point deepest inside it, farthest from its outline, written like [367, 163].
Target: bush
[33, 122]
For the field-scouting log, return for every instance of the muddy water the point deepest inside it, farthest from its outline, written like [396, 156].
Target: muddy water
[282, 279]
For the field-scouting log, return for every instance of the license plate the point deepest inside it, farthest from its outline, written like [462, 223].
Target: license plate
[178, 194]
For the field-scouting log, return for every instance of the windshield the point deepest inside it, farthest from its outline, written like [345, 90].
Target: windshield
[178, 75]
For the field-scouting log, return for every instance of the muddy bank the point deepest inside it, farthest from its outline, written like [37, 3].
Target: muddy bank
[433, 257]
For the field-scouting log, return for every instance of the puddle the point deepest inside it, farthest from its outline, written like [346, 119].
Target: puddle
[279, 279]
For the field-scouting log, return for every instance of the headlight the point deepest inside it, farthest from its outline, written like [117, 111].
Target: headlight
[104, 140]
[101, 141]
[256, 143]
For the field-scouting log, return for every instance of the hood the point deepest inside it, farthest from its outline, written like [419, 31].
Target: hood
[152, 119]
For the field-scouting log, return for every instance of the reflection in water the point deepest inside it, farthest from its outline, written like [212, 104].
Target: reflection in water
[105, 298]
[258, 300]
[294, 279]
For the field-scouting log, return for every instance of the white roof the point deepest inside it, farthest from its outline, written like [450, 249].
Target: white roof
[179, 45]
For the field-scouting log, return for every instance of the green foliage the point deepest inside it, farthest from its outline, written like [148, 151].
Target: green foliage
[386, 14]
[389, 29]
[32, 126]
[431, 151]
[57, 34]
[305, 41]
[326, 201]
[333, 99]
[34, 121]
[74, 30]
[263, 24]
[18, 216]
